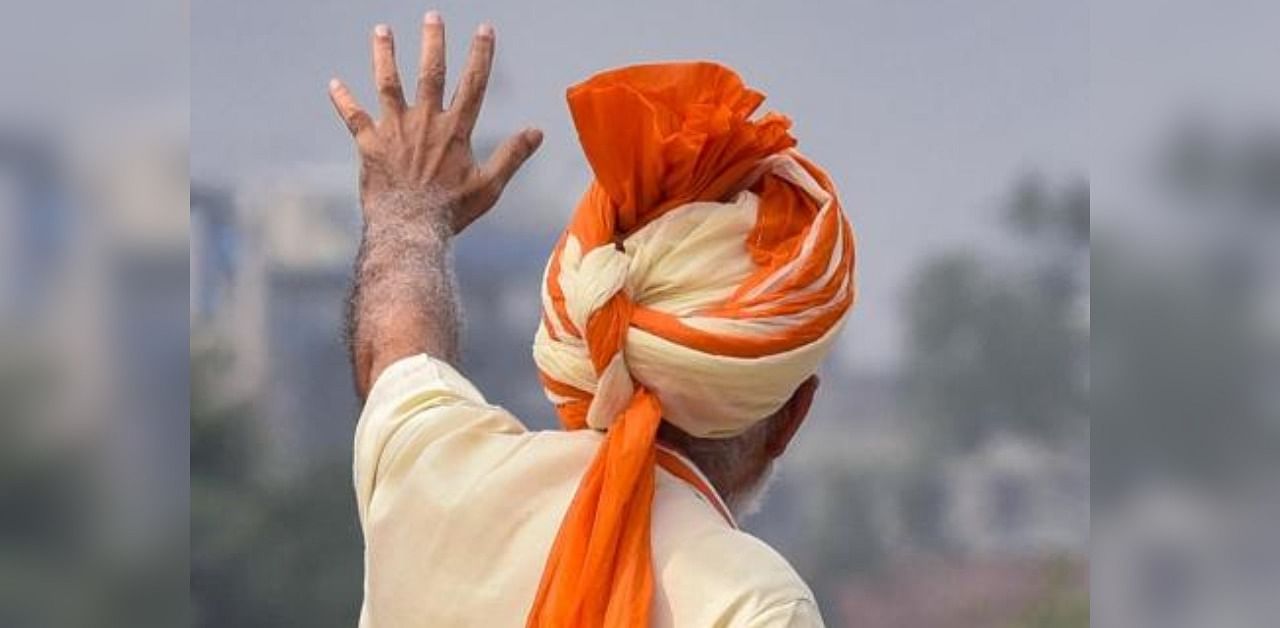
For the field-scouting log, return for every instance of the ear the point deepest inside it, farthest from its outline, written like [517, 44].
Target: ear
[790, 416]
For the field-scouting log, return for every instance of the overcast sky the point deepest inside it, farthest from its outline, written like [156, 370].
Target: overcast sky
[922, 111]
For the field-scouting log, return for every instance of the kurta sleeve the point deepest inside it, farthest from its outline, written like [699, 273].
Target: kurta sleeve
[415, 404]
[801, 613]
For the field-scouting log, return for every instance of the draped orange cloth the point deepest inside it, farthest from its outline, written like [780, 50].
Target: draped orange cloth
[659, 137]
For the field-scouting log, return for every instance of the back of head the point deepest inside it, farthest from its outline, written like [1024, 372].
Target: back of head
[702, 278]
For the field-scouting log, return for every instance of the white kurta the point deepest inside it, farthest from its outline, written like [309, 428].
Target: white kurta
[459, 505]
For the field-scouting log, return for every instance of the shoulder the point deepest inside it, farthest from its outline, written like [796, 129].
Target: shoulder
[712, 574]
[421, 387]
[736, 562]
[422, 409]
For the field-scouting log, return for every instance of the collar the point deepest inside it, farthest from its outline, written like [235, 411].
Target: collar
[676, 464]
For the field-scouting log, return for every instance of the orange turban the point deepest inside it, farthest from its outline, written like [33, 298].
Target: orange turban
[703, 276]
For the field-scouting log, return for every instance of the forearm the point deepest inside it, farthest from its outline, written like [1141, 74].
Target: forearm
[419, 185]
[404, 301]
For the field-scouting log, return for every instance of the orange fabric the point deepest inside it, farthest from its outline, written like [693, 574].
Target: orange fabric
[599, 564]
[557, 294]
[658, 137]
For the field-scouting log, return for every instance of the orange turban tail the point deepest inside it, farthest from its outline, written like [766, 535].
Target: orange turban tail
[684, 178]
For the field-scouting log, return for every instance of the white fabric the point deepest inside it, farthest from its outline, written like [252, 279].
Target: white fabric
[691, 258]
[459, 505]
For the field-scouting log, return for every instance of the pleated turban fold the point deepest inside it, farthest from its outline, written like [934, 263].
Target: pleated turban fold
[702, 277]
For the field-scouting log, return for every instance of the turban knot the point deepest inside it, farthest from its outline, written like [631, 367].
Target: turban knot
[596, 284]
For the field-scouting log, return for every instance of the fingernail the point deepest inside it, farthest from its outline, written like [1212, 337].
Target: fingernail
[432, 17]
[485, 30]
[534, 135]
[382, 30]
[334, 83]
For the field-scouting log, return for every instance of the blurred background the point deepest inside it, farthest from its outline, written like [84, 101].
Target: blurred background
[93, 313]
[1186, 295]
[943, 479]
[175, 405]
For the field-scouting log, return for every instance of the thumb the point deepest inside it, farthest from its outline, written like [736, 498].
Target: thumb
[512, 154]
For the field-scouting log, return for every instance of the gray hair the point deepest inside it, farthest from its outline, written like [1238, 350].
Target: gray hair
[738, 467]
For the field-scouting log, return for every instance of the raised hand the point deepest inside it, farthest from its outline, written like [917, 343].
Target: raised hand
[416, 160]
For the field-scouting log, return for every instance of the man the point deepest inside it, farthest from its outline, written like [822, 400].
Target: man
[699, 284]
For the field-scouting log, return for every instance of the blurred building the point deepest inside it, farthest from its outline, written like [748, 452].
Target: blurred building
[1176, 555]
[215, 245]
[1019, 497]
[136, 195]
[500, 276]
[93, 266]
[34, 221]
[270, 268]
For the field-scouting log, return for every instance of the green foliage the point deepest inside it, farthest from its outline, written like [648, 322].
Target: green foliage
[1220, 172]
[842, 534]
[1034, 210]
[57, 566]
[1176, 383]
[265, 553]
[1001, 347]
[1065, 603]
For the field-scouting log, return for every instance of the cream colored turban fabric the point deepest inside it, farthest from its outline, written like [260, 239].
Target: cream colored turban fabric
[686, 264]
[703, 277]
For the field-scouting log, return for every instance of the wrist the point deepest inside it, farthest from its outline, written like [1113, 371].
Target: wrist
[428, 209]
[392, 238]
[402, 229]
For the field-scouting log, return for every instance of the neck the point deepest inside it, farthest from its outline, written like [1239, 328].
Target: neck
[735, 467]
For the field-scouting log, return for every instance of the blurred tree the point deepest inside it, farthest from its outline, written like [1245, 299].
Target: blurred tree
[1002, 346]
[57, 566]
[842, 534]
[1065, 603]
[1208, 168]
[44, 501]
[1184, 374]
[263, 553]
[1040, 213]
[995, 343]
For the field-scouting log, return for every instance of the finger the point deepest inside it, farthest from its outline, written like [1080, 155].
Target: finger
[431, 67]
[385, 74]
[349, 110]
[470, 93]
[512, 154]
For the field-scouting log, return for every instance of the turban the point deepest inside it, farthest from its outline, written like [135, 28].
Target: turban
[701, 279]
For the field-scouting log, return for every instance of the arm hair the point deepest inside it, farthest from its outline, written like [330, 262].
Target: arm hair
[403, 298]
